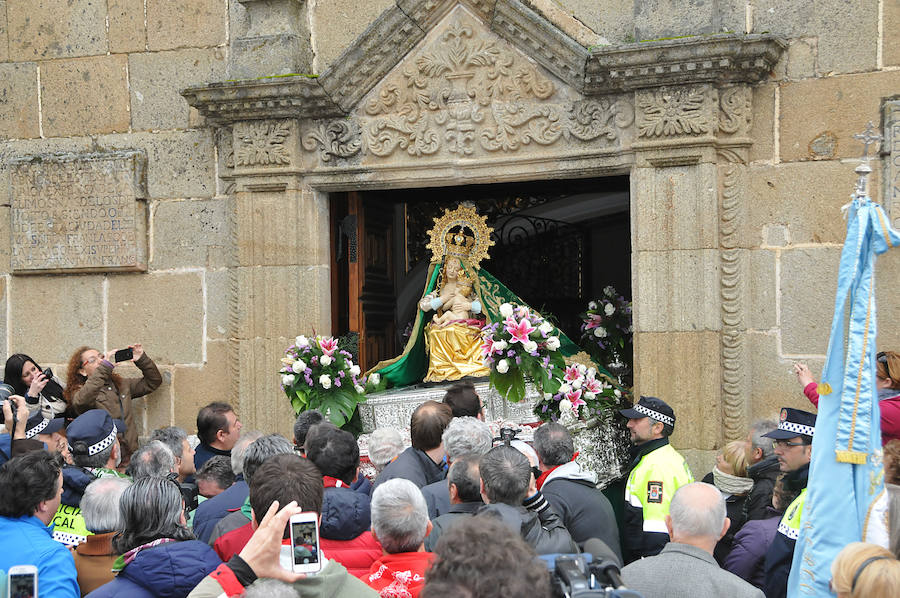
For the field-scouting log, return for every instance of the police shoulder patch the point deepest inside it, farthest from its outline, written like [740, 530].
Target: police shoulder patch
[654, 492]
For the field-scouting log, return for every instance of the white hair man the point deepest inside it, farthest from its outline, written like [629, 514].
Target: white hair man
[464, 436]
[400, 523]
[686, 567]
[100, 508]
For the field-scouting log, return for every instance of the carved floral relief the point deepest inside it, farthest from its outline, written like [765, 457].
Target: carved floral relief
[673, 112]
[262, 143]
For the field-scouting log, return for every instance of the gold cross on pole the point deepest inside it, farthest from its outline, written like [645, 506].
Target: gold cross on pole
[868, 137]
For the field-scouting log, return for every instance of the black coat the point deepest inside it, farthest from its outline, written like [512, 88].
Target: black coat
[585, 511]
[546, 534]
[759, 500]
[413, 465]
[443, 522]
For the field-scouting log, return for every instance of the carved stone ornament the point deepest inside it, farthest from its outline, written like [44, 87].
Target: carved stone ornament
[468, 92]
[262, 143]
[669, 112]
[734, 110]
[333, 139]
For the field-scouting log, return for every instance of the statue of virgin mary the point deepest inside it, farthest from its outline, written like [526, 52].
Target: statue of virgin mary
[459, 298]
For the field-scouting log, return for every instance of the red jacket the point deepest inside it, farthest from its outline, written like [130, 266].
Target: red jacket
[889, 407]
[400, 575]
[357, 555]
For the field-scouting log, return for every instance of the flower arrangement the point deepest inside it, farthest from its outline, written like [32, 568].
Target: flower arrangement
[317, 374]
[607, 333]
[581, 396]
[522, 345]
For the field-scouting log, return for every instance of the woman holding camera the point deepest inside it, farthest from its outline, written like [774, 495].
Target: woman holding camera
[92, 384]
[37, 385]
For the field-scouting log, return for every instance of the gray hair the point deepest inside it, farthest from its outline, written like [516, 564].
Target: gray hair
[384, 445]
[154, 459]
[464, 475]
[270, 588]
[261, 449]
[399, 516]
[757, 429]
[173, 437]
[100, 504]
[697, 510]
[466, 435]
[151, 509]
[553, 444]
[217, 469]
[97, 459]
[240, 449]
[505, 473]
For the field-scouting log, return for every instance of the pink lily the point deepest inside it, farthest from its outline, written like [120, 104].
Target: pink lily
[488, 347]
[574, 397]
[328, 346]
[519, 330]
[572, 374]
[592, 385]
[594, 320]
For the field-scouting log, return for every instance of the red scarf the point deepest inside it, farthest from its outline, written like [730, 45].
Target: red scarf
[543, 477]
[331, 482]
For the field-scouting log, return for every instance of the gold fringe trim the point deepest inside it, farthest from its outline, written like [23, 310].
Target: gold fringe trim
[824, 389]
[855, 457]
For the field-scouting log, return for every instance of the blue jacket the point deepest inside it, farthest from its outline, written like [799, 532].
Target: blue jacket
[345, 514]
[27, 541]
[204, 453]
[75, 481]
[211, 511]
[169, 570]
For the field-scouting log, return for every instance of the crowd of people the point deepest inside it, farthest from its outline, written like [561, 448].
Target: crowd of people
[458, 512]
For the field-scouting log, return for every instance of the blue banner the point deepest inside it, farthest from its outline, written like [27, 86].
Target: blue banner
[846, 478]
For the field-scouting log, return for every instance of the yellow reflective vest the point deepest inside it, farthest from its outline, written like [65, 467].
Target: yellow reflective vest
[651, 484]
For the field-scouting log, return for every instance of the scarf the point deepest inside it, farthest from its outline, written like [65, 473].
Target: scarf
[543, 477]
[129, 556]
[731, 484]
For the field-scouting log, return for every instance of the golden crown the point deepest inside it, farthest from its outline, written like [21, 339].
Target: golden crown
[459, 244]
[461, 233]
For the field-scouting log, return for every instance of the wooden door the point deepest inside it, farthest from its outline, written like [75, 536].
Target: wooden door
[371, 296]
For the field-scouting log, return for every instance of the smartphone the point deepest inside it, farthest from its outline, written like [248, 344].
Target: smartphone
[22, 582]
[48, 374]
[305, 553]
[124, 355]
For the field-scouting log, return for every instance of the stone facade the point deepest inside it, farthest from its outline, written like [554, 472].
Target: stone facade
[738, 145]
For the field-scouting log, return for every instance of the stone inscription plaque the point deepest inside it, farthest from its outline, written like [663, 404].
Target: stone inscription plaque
[78, 212]
[891, 147]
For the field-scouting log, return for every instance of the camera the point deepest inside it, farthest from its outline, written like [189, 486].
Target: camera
[580, 576]
[507, 435]
[48, 374]
[5, 391]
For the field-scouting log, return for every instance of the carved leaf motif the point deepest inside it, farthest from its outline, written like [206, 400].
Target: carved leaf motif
[517, 125]
[334, 139]
[667, 113]
[414, 136]
[262, 143]
[735, 109]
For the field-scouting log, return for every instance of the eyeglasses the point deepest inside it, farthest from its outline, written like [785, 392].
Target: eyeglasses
[90, 360]
[786, 444]
[883, 360]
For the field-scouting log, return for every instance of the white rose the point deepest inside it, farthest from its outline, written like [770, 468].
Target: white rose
[592, 305]
[591, 372]
[600, 332]
[502, 366]
[529, 346]
[577, 383]
[375, 378]
[500, 345]
[564, 388]
[609, 309]
[553, 343]
[609, 291]
[325, 360]
[325, 381]
[618, 393]
[301, 341]
[547, 395]
[565, 405]
[581, 368]
[287, 379]
[589, 395]
[298, 366]
[359, 389]
[546, 327]
[354, 370]
[506, 310]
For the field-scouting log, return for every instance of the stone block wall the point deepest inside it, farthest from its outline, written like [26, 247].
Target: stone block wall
[88, 76]
[85, 76]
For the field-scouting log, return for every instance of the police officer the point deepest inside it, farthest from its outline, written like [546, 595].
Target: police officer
[793, 447]
[657, 470]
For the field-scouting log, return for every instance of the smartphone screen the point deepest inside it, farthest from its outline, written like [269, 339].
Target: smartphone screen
[305, 542]
[124, 354]
[21, 585]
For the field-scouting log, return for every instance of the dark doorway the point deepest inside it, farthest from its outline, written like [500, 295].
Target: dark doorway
[557, 245]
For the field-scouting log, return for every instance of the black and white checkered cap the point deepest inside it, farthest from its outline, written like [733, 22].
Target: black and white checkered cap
[92, 432]
[38, 425]
[651, 407]
[793, 423]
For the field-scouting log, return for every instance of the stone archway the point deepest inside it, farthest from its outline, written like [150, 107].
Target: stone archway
[458, 92]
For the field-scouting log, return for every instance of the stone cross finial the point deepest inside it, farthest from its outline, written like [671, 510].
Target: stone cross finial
[868, 137]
